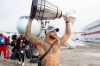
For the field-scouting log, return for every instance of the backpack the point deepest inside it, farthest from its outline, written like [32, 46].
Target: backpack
[29, 53]
[14, 56]
[2, 41]
[34, 59]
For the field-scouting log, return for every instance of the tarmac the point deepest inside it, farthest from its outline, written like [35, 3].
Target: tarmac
[84, 54]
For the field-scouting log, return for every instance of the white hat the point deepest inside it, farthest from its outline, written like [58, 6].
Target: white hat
[51, 28]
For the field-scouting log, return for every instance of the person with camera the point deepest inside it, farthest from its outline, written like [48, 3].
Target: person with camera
[21, 43]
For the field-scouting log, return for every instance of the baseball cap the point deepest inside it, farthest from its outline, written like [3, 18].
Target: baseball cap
[51, 28]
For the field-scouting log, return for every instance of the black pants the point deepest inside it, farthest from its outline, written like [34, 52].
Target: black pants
[21, 57]
[39, 63]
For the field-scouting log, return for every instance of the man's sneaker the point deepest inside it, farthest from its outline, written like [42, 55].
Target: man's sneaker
[22, 64]
[19, 62]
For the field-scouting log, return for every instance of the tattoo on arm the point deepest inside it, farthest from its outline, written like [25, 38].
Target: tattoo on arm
[29, 35]
[28, 29]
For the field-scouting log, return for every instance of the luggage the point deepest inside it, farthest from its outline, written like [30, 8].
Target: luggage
[14, 56]
[29, 53]
[34, 59]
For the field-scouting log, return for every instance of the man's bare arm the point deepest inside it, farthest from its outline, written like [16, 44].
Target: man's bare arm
[67, 34]
[28, 33]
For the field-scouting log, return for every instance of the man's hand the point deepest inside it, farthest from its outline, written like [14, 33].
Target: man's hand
[66, 18]
[29, 19]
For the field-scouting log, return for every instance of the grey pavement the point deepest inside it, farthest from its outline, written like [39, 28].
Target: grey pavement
[84, 54]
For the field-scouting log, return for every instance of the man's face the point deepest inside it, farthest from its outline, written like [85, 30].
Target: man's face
[22, 35]
[53, 34]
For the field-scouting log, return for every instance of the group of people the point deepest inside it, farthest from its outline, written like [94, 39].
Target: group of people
[19, 44]
[21, 47]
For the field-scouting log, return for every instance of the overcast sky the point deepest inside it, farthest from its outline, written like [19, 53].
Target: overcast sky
[86, 11]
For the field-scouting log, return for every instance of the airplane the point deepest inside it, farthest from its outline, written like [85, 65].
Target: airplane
[41, 11]
[38, 29]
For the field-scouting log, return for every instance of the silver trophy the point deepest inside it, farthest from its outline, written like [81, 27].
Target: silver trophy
[44, 10]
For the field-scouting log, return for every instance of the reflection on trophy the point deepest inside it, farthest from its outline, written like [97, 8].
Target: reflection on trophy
[44, 10]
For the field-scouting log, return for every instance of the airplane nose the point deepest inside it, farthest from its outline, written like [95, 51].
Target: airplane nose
[22, 23]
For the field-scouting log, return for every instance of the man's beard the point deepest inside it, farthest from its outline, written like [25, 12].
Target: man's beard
[52, 37]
